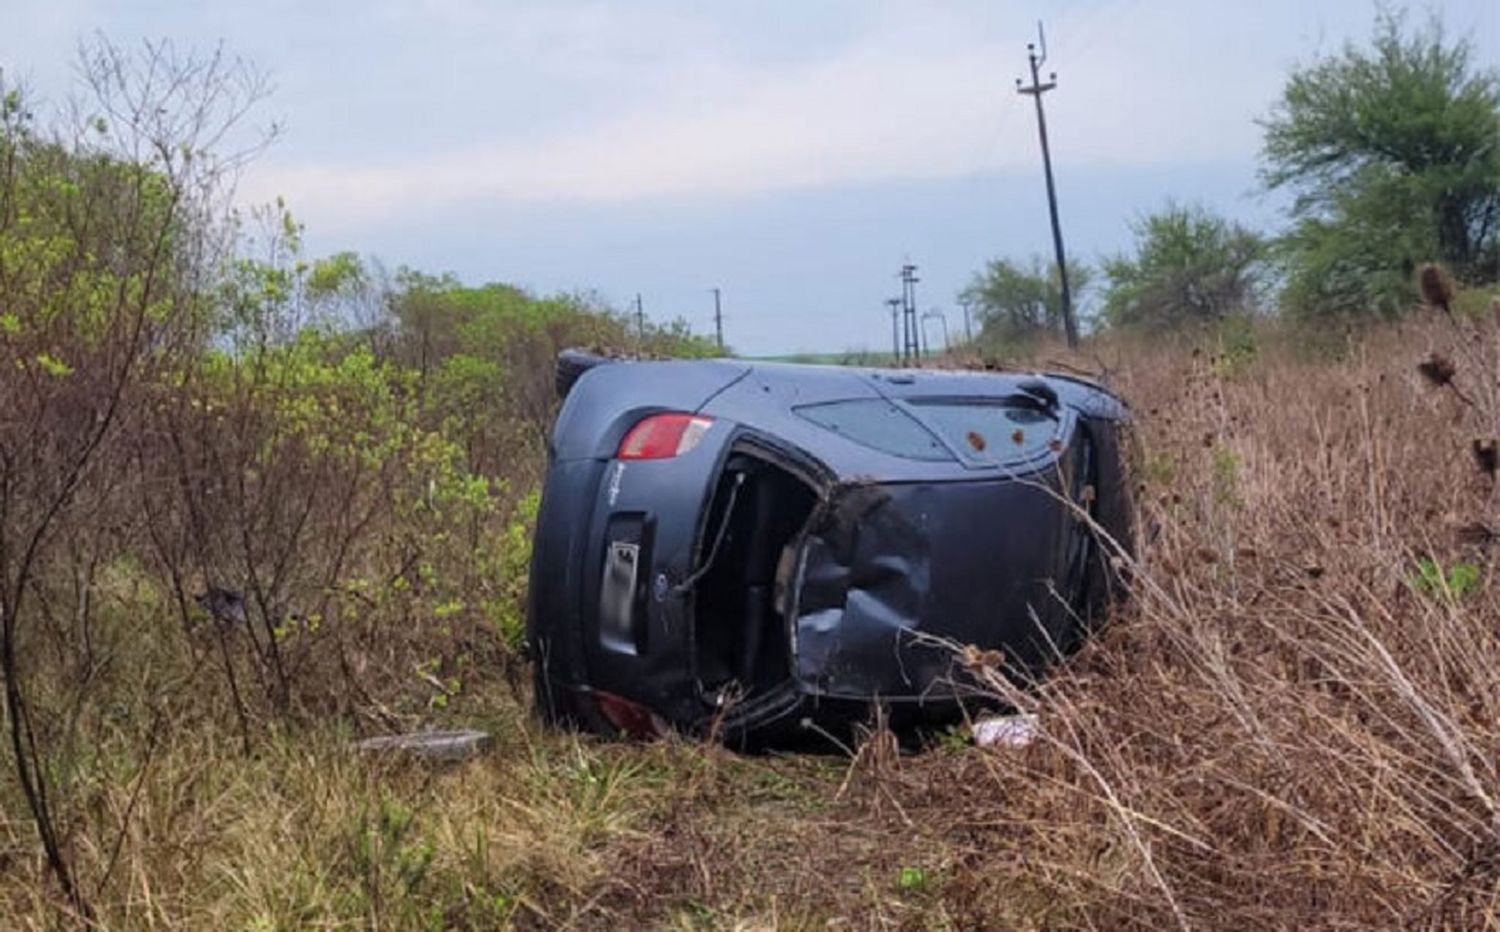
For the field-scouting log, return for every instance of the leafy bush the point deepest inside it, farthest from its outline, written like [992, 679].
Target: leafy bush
[1016, 304]
[1189, 267]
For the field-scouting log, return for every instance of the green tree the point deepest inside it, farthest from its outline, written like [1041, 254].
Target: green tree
[1391, 152]
[1189, 265]
[1016, 303]
[107, 226]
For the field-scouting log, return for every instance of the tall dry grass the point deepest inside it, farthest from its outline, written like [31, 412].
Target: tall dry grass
[1292, 725]
[1296, 725]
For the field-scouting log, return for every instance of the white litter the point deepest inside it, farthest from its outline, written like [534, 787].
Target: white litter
[1006, 731]
[435, 745]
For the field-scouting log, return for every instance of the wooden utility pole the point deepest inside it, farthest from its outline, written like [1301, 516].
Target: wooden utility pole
[912, 349]
[895, 305]
[1035, 90]
[718, 321]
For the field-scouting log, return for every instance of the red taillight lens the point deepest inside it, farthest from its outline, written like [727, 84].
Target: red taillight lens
[631, 718]
[663, 436]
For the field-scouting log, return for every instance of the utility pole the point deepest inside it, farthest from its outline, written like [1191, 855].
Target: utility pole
[968, 328]
[895, 305]
[640, 317]
[912, 349]
[1035, 90]
[718, 320]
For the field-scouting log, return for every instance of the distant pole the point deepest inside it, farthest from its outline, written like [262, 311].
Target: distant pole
[1035, 91]
[895, 305]
[640, 317]
[912, 349]
[968, 328]
[718, 321]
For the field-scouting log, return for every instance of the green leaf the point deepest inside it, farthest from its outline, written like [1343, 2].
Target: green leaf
[53, 366]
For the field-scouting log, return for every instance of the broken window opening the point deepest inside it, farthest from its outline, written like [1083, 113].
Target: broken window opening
[742, 643]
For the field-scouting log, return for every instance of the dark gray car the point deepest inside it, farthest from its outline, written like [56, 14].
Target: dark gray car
[762, 551]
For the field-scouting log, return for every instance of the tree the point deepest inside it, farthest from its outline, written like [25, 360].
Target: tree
[1189, 265]
[1016, 303]
[1391, 152]
[105, 231]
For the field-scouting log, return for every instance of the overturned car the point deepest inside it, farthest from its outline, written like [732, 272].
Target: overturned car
[764, 551]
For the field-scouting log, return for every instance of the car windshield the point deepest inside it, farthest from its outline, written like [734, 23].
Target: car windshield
[991, 431]
[877, 423]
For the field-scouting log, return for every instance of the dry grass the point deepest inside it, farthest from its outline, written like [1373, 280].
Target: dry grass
[1295, 725]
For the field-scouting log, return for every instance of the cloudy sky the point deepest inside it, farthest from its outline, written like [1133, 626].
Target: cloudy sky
[791, 152]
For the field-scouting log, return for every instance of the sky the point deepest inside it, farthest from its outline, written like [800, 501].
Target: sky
[793, 153]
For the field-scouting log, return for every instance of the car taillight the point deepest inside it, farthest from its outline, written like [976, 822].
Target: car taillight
[663, 436]
[631, 718]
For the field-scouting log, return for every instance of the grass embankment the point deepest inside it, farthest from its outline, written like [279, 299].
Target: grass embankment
[1293, 726]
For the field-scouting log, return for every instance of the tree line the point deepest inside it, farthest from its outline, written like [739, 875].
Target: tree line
[1390, 154]
[239, 483]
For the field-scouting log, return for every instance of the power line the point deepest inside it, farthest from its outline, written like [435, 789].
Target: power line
[1035, 90]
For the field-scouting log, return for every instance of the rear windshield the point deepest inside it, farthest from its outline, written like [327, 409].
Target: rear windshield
[877, 423]
[991, 431]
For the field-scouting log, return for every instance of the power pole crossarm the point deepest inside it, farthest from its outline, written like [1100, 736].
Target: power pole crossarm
[1035, 91]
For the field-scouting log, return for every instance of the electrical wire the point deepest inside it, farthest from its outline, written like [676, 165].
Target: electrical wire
[687, 584]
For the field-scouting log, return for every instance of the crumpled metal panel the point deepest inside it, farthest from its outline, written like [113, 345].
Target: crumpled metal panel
[891, 572]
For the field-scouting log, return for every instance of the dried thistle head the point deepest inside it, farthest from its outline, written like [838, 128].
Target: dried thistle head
[1438, 370]
[976, 658]
[1436, 286]
[1486, 455]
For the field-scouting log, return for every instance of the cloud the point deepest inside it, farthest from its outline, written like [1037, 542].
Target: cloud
[932, 97]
